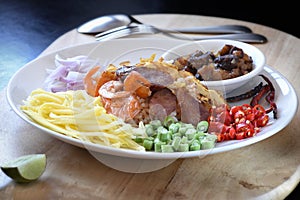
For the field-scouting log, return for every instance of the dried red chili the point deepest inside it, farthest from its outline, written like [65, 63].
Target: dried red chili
[257, 93]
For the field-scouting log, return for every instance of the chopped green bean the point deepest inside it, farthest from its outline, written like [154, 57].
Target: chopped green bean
[169, 120]
[157, 146]
[157, 140]
[139, 140]
[149, 130]
[199, 135]
[167, 148]
[183, 147]
[207, 144]
[148, 144]
[165, 136]
[174, 127]
[161, 130]
[184, 140]
[182, 130]
[189, 126]
[155, 123]
[190, 133]
[211, 137]
[195, 146]
[176, 143]
[202, 126]
[174, 136]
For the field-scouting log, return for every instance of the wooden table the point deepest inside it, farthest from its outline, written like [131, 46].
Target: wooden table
[266, 170]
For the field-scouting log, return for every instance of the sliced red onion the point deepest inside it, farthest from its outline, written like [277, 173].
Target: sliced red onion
[68, 74]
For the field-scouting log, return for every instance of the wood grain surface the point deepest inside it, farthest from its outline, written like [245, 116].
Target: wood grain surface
[266, 170]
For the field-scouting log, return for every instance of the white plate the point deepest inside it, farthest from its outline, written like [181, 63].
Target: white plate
[32, 75]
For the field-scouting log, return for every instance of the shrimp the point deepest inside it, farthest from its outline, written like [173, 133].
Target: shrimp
[116, 101]
[135, 82]
[112, 90]
[93, 82]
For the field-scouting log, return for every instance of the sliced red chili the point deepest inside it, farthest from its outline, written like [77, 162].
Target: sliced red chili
[238, 122]
[259, 110]
[239, 114]
[246, 128]
[246, 108]
[240, 135]
[250, 132]
[232, 133]
[234, 109]
[262, 121]
[220, 137]
[242, 127]
[250, 116]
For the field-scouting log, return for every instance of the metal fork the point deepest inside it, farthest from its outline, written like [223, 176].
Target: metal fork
[217, 29]
[148, 29]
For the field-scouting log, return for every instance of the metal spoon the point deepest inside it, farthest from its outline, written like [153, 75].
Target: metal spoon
[108, 22]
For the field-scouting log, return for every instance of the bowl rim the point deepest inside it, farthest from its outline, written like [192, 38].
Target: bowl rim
[258, 67]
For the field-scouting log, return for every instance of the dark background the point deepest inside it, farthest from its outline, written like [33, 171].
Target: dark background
[27, 27]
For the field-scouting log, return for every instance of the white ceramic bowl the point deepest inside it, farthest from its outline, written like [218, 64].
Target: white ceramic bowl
[215, 45]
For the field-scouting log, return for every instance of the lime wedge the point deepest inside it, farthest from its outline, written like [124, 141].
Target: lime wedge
[26, 168]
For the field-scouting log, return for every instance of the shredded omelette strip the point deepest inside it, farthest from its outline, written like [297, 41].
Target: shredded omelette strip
[79, 115]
